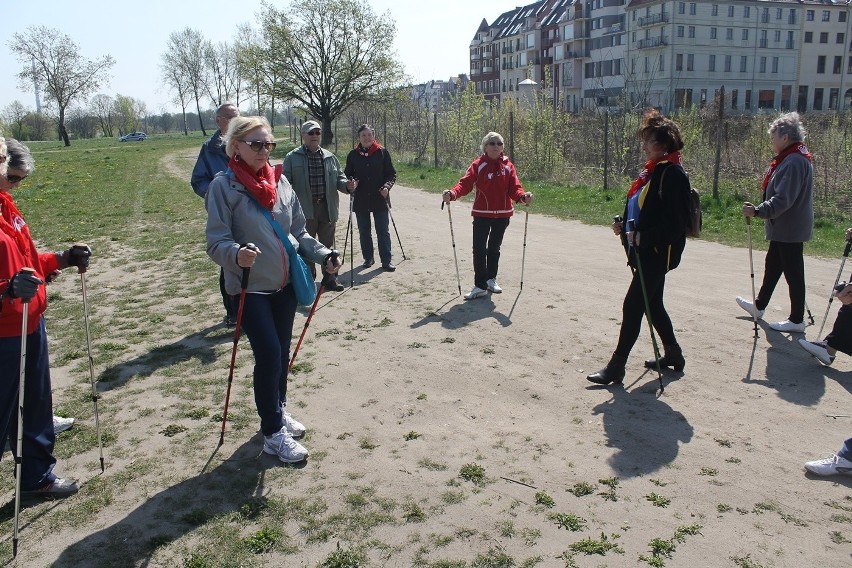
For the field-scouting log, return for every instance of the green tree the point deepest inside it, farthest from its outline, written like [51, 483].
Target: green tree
[53, 60]
[184, 67]
[334, 52]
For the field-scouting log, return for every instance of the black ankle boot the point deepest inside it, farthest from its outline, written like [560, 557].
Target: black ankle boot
[612, 373]
[673, 358]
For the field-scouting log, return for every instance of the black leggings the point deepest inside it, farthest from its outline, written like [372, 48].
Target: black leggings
[786, 259]
[633, 309]
[840, 337]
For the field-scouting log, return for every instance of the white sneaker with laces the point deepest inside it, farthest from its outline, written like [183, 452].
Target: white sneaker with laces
[475, 293]
[749, 307]
[61, 424]
[494, 287]
[283, 445]
[833, 465]
[818, 349]
[296, 428]
[788, 326]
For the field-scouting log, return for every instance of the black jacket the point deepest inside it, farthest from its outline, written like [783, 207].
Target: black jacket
[373, 172]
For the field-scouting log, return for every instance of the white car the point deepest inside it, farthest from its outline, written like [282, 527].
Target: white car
[133, 136]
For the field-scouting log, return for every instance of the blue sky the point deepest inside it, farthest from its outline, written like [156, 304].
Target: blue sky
[432, 37]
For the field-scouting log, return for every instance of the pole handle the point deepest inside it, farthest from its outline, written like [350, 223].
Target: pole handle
[247, 270]
[31, 272]
[748, 220]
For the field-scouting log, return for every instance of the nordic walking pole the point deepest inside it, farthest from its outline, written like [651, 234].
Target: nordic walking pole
[834, 288]
[237, 329]
[810, 315]
[351, 243]
[334, 256]
[453, 239]
[394, 228]
[751, 268]
[95, 395]
[648, 317]
[524, 255]
[20, 442]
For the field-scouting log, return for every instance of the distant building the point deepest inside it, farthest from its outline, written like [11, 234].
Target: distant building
[433, 93]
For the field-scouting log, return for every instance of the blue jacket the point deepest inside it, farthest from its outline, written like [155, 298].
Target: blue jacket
[212, 159]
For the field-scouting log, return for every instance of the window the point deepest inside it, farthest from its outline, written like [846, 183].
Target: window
[777, 36]
[748, 99]
[792, 19]
[849, 66]
[809, 37]
[841, 38]
[817, 99]
[821, 64]
[779, 13]
[679, 62]
[681, 7]
[823, 37]
[764, 16]
[715, 10]
[692, 31]
[745, 34]
[662, 62]
[833, 96]
[826, 16]
[763, 39]
[730, 11]
[809, 15]
[702, 101]
[747, 12]
[683, 98]
[790, 39]
[762, 67]
[690, 62]
[680, 31]
[766, 98]
[712, 63]
[647, 69]
[727, 64]
[743, 63]
[838, 64]
[841, 17]
[692, 8]
[734, 96]
[729, 34]
[775, 65]
[712, 33]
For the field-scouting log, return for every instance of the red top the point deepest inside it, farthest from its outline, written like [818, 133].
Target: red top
[17, 251]
[497, 186]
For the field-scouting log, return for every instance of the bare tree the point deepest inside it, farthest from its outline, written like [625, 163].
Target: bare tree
[178, 83]
[101, 107]
[185, 63]
[14, 114]
[225, 82]
[333, 53]
[53, 60]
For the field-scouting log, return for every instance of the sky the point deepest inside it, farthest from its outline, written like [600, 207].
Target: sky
[432, 37]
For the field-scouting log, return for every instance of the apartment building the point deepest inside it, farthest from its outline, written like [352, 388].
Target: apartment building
[778, 54]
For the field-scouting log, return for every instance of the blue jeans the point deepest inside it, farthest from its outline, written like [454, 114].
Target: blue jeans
[382, 235]
[487, 237]
[268, 323]
[38, 437]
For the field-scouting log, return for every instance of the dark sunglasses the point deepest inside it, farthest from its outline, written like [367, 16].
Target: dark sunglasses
[257, 145]
[15, 179]
[495, 143]
[315, 132]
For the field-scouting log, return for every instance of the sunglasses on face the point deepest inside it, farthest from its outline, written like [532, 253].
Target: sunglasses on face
[15, 179]
[495, 143]
[257, 145]
[315, 132]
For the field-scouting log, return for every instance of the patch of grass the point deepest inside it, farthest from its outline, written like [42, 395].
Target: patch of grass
[173, 430]
[839, 518]
[448, 340]
[746, 562]
[838, 538]
[493, 559]
[488, 351]
[709, 471]
[530, 536]
[474, 473]
[658, 482]
[421, 396]
[601, 546]
[582, 488]
[687, 530]
[302, 367]
[506, 528]
[542, 498]
[431, 465]
[724, 442]
[417, 345]
[723, 507]
[568, 521]
[366, 443]
[263, 540]
[453, 497]
[612, 483]
[413, 513]
[658, 500]
[733, 460]
[384, 323]
[410, 436]
[348, 558]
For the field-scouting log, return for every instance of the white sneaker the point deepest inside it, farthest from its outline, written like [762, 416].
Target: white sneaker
[749, 307]
[296, 428]
[788, 326]
[283, 445]
[818, 349]
[494, 287]
[475, 293]
[833, 465]
[61, 424]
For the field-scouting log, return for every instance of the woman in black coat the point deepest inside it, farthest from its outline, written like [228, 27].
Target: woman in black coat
[657, 214]
[371, 166]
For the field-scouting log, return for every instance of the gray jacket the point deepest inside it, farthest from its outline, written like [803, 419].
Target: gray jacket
[789, 205]
[296, 171]
[234, 218]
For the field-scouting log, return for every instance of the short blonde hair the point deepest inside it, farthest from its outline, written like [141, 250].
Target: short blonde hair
[789, 124]
[4, 157]
[238, 128]
[488, 138]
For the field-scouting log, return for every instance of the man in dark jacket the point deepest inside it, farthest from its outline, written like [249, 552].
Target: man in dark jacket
[212, 159]
[316, 177]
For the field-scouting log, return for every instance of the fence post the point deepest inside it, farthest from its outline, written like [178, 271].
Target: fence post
[606, 149]
[719, 127]
[512, 136]
[435, 138]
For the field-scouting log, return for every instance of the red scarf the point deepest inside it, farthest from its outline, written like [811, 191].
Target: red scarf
[645, 175]
[792, 148]
[13, 224]
[260, 184]
[375, 147]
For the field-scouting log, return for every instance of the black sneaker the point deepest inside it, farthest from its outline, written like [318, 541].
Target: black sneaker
[388, 267]
[368, 263]
[333, 285]
[230, 321]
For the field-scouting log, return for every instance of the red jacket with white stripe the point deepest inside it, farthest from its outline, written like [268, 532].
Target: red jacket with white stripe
[497, 186]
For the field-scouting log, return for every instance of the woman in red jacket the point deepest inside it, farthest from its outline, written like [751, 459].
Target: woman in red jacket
[497, 186]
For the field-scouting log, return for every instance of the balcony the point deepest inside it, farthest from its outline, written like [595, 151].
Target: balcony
[651, 42]
[653, 20]
[487, 69]
[614, 29]
[474, 56]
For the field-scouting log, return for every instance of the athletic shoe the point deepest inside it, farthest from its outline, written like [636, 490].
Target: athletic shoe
[749, 307]
[283, 445]
[368, 263]
[475, 293]
[818, 349]
[388, 267]
[333, 285]
[58, 488]
[834, 465]
[296, 428]
[494, 287]
[788, 326]
[61, 424]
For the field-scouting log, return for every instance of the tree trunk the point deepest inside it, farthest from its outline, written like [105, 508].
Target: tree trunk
[63, 133]
[200, 118]
[327, 134]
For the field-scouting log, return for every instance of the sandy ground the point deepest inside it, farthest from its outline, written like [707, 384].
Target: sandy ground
[500, 382]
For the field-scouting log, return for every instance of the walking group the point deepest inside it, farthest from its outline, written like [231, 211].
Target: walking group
[262, 220]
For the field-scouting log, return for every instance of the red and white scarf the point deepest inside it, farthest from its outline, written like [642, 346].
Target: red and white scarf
[261, 184]
[645, 174]
[796, 147]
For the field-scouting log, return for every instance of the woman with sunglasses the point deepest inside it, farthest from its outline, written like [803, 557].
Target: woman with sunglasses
[235, 201]
[497, 186]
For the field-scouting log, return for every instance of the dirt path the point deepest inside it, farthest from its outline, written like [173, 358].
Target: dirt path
[499, 382]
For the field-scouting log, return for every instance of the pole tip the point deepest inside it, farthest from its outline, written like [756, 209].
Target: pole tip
[103, 469]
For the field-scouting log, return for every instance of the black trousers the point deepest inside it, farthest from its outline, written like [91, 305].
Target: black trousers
[840, 337]
[786, 259]
[633, 309]
[487, 237]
